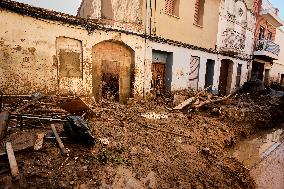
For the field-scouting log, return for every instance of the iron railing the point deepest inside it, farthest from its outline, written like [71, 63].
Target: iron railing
[269, 46]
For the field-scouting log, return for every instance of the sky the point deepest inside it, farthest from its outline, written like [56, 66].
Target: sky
[280, 5]
[66, 6]
[71, 6]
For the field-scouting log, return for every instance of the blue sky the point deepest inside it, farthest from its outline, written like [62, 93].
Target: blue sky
[66, 6]
[71, 6]
[280, 5]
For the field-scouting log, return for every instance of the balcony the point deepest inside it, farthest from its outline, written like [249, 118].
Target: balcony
[270, 13]
[267, 49]
[232, 42]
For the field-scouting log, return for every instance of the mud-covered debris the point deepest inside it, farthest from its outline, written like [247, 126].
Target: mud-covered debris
[104, 141]
[33, 99]
[154, 115]
[59, 141]
[216, 111]
[76, 107]
[77, 129]
[20, 141]
[39, 141]
[206, 151]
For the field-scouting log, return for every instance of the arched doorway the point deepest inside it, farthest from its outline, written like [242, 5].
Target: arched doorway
[112, 71]
[225, 79]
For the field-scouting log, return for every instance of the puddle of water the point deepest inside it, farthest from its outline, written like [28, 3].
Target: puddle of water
[252, 150]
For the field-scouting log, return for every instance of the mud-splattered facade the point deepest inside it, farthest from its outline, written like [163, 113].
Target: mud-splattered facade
[118, 53]
[57, 54]
[235, 37]
[266, 50]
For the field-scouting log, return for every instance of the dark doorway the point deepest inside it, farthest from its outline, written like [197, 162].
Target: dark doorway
[209, 76]
[257, 71]
[112, 71]
[239, 75]
[282, 80]
[161, 72]
[266, 77]
[110, 80]
[225, 79]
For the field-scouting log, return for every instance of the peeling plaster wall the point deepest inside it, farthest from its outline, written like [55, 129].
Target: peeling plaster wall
[29, 59]
[236, 28]
[129, 11]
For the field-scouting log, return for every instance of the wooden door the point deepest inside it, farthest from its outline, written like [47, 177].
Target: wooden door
[158, 77]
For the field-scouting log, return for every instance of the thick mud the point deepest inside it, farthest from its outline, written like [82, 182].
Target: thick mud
[145, 145]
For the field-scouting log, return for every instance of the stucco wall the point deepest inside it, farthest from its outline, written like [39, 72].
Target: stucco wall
[117, 10]
[182, 28]
[236, 28]
[278, 65]
[29, 55]
[181, 67]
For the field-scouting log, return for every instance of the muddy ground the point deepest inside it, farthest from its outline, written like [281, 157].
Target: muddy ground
[144, 144]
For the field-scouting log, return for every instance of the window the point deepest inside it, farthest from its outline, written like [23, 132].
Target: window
[199, 12]
[172, 7]
[261, 33]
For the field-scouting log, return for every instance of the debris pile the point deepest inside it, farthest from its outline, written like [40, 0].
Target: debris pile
[142, 144]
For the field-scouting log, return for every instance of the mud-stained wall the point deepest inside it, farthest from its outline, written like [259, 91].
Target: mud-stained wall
[181, 69]
[118, 10]
[33, 55]
[70, 63]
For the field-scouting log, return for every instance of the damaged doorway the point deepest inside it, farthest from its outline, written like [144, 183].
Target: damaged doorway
[225, 79]
[113, 65]
[209, 76]
[161, 72]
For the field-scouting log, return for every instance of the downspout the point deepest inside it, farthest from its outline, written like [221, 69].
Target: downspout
[145, 42]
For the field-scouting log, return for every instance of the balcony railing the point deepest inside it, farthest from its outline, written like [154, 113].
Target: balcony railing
[233, 41]
[267, 48]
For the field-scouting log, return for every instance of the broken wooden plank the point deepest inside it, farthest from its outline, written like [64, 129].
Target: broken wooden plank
[76, 106]
[190, 100]
[185, 103]
[4, 117]
[59, 141]
[12, 160]
[35, 97]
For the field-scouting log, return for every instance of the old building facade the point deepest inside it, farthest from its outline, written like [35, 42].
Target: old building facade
[127, 48]
[266, 49]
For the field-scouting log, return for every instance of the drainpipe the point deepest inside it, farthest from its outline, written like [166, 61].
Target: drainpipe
[145, 43]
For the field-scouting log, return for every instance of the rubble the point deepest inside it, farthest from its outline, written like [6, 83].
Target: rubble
[172, 149]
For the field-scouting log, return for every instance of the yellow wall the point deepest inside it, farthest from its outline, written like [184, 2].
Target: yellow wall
[182, 28]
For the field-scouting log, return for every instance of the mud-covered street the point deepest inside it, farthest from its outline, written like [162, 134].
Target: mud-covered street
[144, 144]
